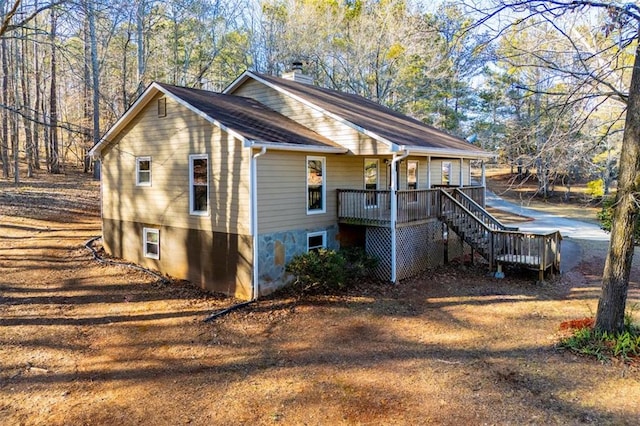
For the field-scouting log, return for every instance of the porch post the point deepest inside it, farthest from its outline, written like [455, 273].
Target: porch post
[484, 184]
[429, 172]
[394, 210]
[461, 173]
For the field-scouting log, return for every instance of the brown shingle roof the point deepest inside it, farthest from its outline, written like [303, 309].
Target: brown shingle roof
[373, 117]
[249, 118]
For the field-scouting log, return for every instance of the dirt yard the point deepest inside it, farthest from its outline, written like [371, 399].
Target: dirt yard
[84, 343]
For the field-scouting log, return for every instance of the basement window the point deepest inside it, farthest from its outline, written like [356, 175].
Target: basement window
[151, 243]
[316, 241]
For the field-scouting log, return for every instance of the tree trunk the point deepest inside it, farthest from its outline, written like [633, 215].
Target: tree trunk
[4, 149]
[141, 45]
[615, 278]
[54, 156]
[87, 92]
[36, 103]
[26, 101]
[95, 82]
[15, 121]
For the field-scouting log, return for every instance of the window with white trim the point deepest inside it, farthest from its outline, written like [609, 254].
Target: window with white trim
[316, 240]
[316, 188]
[143, 171]
[412, 174]
[151, 242]
[446, 172]
[412, 180]
[199, 184]
[371, 179]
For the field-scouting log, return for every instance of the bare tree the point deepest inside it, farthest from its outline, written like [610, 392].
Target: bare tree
[593, 72]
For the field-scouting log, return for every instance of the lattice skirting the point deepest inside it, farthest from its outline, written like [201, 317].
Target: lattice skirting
[378, 244]
[418, 248]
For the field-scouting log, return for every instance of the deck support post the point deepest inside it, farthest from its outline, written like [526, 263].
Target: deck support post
[484, 185]
[394, 210]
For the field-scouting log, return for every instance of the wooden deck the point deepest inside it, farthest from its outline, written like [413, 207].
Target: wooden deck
[373, 207]
[462, 209]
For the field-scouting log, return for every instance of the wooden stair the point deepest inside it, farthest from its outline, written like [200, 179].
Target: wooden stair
[497, 243]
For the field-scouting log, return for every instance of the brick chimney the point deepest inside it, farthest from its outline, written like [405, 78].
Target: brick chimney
[296, 74]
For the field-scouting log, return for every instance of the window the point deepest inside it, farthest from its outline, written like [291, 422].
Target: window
[162, 107]
[371, 181]
[316, 240]
[151, 243]
[199, 184]
[412, 174]
[446, 172]
[143, 171]
[316, 191]
[412, 180]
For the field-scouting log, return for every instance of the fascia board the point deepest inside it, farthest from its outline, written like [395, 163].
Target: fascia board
[278, 146]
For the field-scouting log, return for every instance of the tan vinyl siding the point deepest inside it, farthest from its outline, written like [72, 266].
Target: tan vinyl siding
[340, 133]
[466, 172]
[454, 174]
[282, 190]
[169, 141]
[423, 171]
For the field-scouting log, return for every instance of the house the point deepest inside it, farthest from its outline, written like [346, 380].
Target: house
[223, 189]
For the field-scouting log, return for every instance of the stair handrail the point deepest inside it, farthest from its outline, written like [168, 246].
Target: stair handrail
[464, 209]
[473, 217]
[487, 217]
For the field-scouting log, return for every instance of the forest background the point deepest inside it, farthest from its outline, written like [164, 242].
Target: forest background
[547, 95]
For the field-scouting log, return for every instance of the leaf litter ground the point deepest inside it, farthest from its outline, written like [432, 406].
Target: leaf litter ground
[86, 343]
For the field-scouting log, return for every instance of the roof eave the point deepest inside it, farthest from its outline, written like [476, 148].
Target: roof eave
[133, 110]
[238, 82]
[281, 146]
[140, 103]
[447, 152]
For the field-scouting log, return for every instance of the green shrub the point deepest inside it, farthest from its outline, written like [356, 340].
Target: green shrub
[606, 218]
[329, 270]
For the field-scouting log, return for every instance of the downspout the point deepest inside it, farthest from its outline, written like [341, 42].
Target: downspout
[254, 220]
[394, 209]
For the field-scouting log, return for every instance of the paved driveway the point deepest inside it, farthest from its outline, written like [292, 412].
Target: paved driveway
[544, 222]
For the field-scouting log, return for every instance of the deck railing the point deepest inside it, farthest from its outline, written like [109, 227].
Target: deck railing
[539, 251]
[474, 207]
[364, 206]
[499, 246]
[373, 207]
